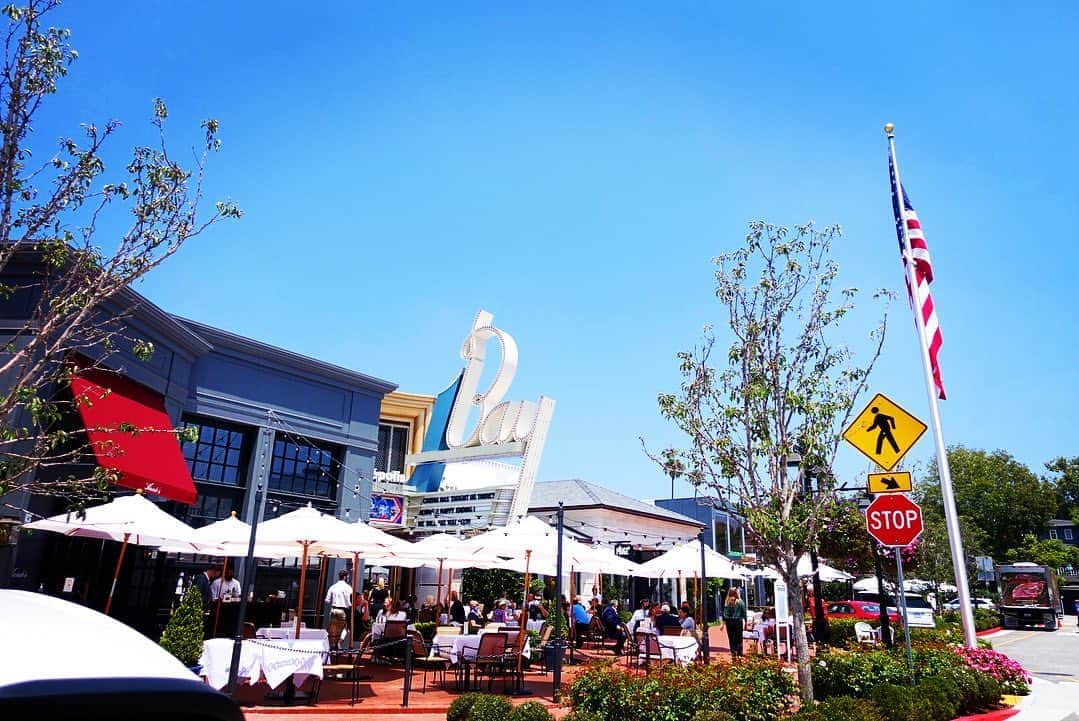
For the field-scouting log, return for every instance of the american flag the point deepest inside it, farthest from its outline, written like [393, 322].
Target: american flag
[920, 297]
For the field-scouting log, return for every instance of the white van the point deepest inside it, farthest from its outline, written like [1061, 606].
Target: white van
[919, 612]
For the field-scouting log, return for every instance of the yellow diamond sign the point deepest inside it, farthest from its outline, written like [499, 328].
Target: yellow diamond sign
[884, 432]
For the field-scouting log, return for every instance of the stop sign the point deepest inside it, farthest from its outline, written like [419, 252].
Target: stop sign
[894, 520]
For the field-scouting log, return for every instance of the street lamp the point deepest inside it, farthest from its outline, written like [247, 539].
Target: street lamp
[821, 631]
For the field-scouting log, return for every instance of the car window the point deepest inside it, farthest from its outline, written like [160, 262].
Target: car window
[871, 608]
[918, 602]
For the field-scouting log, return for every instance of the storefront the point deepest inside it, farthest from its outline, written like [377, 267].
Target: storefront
[306, 430]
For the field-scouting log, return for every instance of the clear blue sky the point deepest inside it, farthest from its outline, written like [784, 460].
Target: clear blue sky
[572, 169]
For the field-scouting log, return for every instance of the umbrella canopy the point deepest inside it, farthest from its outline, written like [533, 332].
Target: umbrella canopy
[827, 573]
[128, 519]
[443, 550]
[133, 519]
[766, 571]
[538, 541]
[686, 559]
[228, 537]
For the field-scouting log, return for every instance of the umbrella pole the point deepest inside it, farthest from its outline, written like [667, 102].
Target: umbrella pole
[220, 595]
[438, 591]
[352, 605]
[521, 625]
[116, 574]
[303, 578]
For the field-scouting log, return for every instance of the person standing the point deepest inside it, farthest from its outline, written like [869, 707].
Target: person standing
[457, 609]
[204, 582]
[339, 596]
[734, 618]
[226, 589]
[379, 594]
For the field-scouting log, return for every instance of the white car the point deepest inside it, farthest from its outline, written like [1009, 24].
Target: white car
[66, 661]
[919, 612]
[979, 602]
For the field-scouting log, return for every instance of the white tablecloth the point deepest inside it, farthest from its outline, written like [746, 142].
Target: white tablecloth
[682, 649]
[379, 628]
[457, 647]
[274, 660]
[536, 625]
[306, 634]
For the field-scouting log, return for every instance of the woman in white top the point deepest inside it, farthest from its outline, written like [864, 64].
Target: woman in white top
[396, 612]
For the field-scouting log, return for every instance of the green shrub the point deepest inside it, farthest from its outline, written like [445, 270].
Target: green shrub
[489, 707]
[754, 689]
[895, 702]
[578, 715]
[712, 716]
[941, 635]
[530, 711]
[840, 708]
[841, 632]
[461, 707]
[937, 700]
[983, 619]
[836, 673]
[184, 632]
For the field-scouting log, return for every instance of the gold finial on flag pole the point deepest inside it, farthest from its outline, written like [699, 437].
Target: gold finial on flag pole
[889, 128]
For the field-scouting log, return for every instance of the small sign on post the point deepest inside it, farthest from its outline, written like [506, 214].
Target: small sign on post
[898, 482]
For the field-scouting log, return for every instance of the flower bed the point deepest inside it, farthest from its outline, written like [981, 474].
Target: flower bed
[752, 689]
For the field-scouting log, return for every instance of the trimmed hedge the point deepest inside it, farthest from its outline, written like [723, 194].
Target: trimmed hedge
[530, 711]
[489, 707]
[750, 689]
[840, 708]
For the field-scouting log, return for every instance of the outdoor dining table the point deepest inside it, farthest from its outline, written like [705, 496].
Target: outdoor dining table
[272, 660]
[288, 634]
[464, 648]
[682, 649]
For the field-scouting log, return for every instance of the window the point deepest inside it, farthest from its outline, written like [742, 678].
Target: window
[392, 447]
[304, 469]
[212, 504]
[1052, 534]
[219, 454]
[1067, 534]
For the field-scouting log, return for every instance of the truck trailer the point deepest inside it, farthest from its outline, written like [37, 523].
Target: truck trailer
[1029, 596]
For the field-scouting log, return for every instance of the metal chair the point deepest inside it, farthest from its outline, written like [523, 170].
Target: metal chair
[489, 658]
[425, 658]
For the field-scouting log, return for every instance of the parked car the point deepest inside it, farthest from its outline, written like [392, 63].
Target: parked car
[919, 612]
[861, 610]
[65, 661]
[979, 602]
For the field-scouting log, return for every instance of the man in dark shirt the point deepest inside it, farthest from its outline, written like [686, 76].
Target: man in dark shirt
[612, 626]
[203, 581]
[457, 609]
[666, 618]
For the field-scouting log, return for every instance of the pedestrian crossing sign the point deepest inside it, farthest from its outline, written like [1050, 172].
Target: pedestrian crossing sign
[897, 482]
[884, 432]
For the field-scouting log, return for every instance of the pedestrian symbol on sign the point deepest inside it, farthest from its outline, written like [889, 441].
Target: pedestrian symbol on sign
[884, 432]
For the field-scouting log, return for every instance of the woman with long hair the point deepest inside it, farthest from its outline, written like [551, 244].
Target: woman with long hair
[734, 618]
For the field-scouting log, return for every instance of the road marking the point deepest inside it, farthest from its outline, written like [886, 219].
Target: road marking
[1013, 637]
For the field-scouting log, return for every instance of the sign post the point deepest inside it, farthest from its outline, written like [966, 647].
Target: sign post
[895, 520]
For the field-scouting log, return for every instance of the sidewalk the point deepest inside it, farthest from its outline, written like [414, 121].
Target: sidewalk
[1051, 700]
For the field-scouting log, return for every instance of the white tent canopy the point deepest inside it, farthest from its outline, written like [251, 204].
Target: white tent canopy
[538, 541]
[685, 559]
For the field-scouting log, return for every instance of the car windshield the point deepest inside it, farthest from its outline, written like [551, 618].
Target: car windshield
[918, 602]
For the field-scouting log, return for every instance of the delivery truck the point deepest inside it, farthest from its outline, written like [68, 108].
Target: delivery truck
[1029, 596]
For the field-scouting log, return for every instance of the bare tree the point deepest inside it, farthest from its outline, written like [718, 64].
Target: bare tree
[774, 404]
[73, 284]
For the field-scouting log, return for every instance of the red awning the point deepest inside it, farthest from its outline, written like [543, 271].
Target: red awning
[148, 458]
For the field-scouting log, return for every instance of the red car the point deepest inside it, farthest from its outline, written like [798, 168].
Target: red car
[861, 610]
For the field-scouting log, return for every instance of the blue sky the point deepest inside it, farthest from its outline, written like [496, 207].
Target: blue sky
[573, 169]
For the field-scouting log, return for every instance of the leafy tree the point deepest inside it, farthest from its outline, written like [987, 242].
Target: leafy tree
[1053, 553]
[55, 264]
[1067, 486]
[487, 585]
[777, 396]
[996, 493]
[932, 557]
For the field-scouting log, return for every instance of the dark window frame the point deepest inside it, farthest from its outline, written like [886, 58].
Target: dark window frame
[286, 458]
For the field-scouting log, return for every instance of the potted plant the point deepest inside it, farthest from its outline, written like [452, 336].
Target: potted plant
[184, 632]
[426, 629]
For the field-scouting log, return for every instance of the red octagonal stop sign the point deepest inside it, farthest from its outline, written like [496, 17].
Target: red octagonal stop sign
[894, 520]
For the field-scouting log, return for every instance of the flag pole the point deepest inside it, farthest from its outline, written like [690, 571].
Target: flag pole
[951, 516]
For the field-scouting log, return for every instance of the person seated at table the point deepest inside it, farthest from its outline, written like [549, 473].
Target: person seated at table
[666, 618]
[457, 609]
[594, 606]
[641, 614]
[475, 615]
[768, 624]
[612, 626]
[685, 620]
[536, 610]
[397, 612]
[581, 619]
[428, 611]
[499, 614]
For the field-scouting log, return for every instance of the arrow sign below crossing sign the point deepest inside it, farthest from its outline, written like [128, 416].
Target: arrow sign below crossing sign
[894, 520]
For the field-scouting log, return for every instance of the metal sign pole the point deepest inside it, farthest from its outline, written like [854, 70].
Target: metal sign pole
[903, 606]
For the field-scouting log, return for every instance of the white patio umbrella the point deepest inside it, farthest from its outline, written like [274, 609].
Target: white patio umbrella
[828, 574]
[307, 529]
[128, 519]
[686, 558]
[445, 552]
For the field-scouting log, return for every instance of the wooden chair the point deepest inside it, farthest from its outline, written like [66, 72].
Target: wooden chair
[349, 670]
[671, 631]
[426, 659]
[646, 650]
[392, 640]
